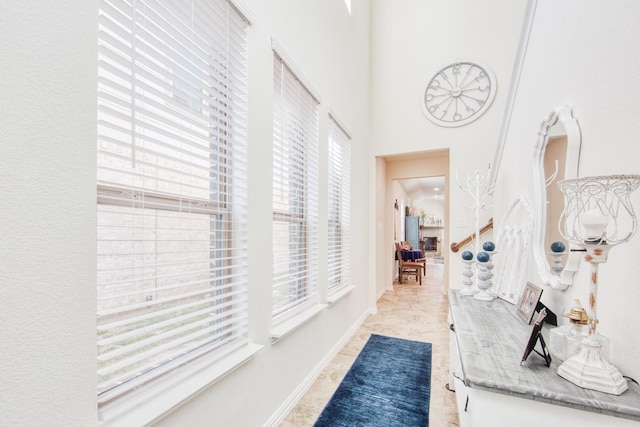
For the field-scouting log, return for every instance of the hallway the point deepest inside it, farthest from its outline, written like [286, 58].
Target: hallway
[411, 312]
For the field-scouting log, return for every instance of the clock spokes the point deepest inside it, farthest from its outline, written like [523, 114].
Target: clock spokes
[446, 79]
[444, 110]
[435, 107]
[478, 87]
[480, 101]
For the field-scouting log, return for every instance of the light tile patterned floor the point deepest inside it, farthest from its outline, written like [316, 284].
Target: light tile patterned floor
[412, 312]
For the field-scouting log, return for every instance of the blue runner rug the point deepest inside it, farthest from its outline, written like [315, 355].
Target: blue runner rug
[387, 385]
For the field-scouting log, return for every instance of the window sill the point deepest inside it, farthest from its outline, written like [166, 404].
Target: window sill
[339, 294]
[284, 328]
[155, 401]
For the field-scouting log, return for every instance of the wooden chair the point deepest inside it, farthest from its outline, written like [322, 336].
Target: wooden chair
[422, 261]
[408, 268]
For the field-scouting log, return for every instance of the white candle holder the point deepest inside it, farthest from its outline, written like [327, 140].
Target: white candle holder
[597, 216]
[467, 282]
[484, 277]
[558, 250]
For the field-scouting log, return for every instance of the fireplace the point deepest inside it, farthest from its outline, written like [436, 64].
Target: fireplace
[430, 244]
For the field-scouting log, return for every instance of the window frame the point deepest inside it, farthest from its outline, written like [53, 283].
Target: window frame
[173, 381]
[338, 219]
[294, 101]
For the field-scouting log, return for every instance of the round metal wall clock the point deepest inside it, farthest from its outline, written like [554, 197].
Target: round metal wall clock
[459, 93]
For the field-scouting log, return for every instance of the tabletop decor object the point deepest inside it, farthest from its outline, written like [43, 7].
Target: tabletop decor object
[528, 302]
[484, 277]
[478, 189]
[490, 248]
[534, 338]
[597, 216]
[566, 340]
[558, 250]
[467, 259]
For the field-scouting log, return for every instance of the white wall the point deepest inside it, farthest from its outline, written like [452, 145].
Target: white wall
[411, 41]
[47, 209]
[47, 213]
[586, 55]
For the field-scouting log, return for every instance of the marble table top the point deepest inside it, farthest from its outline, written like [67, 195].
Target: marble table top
[491, 341]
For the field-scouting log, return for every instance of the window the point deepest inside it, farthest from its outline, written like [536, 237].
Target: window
[295, 193]
[171, 182]
[339, 206]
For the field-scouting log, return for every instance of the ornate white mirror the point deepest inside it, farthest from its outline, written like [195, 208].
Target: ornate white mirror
[555, 158]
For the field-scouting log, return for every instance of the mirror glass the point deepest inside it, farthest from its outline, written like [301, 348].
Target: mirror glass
[555, 155]
[555, 158]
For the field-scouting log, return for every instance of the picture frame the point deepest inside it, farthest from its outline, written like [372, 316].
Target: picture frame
[528, 302]
[536, 335]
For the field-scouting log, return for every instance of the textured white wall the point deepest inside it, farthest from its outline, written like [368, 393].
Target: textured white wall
[47, 213]
[585, 55]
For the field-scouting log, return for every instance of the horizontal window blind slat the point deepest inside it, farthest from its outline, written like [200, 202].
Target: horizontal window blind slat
[235, 292]
[160, 332]
[174, 347]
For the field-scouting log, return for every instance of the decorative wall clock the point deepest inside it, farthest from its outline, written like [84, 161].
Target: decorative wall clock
[459, 93]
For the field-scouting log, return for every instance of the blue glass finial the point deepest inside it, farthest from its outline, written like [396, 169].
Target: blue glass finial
[558, 247]
[489, 246]
[467, 255]
[483, 257]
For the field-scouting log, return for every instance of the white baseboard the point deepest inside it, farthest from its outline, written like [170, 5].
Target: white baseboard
[295, 397]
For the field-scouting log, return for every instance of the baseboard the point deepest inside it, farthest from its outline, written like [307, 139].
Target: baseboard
[295, 397]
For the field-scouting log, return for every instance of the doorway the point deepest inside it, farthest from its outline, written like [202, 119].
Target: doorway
[424, 202]
[389, 170]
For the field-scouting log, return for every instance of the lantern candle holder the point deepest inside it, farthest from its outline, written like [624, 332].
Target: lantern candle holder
[597, 216]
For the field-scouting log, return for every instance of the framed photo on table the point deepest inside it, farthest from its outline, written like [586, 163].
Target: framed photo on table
[536, 335]
[528, 302]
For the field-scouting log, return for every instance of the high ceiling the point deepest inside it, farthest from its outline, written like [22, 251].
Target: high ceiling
[431, 188]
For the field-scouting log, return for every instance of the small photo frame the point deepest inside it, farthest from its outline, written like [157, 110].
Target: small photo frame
[536, 335]
[528, 302]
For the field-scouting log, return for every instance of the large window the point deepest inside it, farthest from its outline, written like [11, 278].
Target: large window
[339, 184]
[295, 193]
[171, 182]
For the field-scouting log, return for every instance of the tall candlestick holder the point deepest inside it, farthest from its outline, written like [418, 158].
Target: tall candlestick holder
[467, 282]
[484, 277]
[558, 250]
[597, 216]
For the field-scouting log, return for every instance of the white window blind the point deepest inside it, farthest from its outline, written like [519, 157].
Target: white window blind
[171, 180]
[339, 227]
[295, 193]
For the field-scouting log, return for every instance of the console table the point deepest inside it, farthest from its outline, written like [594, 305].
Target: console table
[492, 387]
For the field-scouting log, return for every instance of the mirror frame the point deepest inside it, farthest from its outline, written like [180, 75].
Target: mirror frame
[563, 116]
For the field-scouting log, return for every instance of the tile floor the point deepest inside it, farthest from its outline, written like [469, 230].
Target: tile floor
[412, 312]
